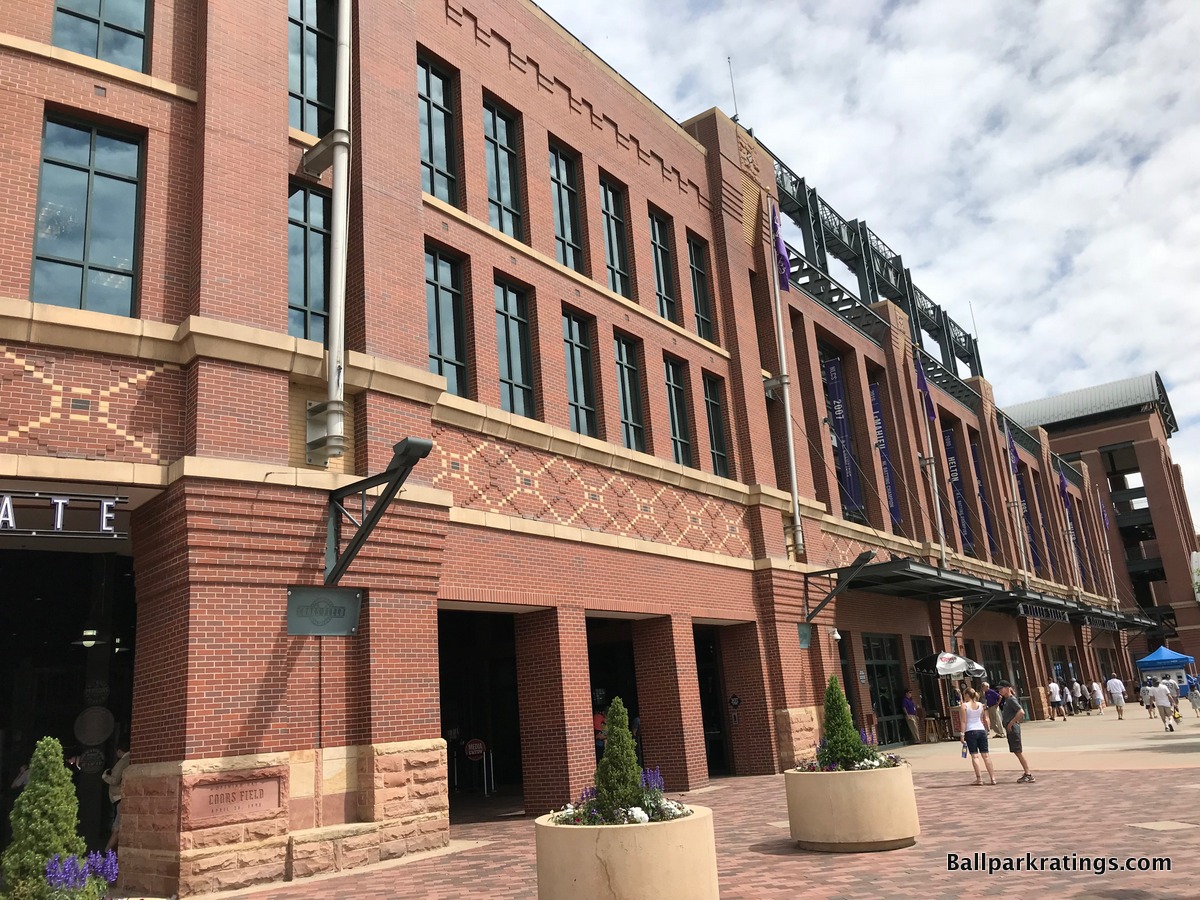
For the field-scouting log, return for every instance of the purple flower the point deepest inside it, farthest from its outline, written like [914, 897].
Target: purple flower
[652, 779]
[65, 873]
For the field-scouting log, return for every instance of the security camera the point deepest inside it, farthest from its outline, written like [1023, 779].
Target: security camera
[836, 635]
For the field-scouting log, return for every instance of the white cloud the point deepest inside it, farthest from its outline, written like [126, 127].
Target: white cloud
[1038, 159]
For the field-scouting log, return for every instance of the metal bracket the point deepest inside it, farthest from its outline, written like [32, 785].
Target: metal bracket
[405, 456]
[320, 445]
[771, 385]
[981, 608]
[319, 157]
[860, 562]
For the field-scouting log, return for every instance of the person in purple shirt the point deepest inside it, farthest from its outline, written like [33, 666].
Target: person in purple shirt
[991, 699]
[910, 715]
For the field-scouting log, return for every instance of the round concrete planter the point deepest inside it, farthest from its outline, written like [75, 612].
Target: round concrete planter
[853, 812]
[628, 862]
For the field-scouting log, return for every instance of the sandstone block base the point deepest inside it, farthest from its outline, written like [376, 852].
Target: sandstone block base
[628, 862]
[853, 812]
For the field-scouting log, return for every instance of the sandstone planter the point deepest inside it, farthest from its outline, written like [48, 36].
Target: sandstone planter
[853, 812]
[628, 862]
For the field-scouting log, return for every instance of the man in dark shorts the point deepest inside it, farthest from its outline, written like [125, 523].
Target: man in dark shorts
[1011, 715]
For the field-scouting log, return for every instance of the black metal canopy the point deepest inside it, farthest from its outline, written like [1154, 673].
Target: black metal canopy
[918, 580]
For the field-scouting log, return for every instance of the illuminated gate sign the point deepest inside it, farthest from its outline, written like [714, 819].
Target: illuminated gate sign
[41, 514]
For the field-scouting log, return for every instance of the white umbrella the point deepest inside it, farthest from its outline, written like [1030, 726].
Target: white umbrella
[949, 664]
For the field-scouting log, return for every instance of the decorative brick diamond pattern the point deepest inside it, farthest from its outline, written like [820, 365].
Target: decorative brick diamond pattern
[81, 405]
[518, 481]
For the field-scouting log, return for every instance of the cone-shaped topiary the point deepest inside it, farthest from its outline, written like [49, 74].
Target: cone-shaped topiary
[44, 821]
[843, 745]
[618, 777]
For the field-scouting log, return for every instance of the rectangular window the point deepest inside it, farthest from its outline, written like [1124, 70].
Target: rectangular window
[841, 434]
[435, 111]
[580, 394]
[698, 262]
[512, 348]
[681, 445]
[312, 62]
[612, 205]
[500, 142]
[111, 30]
[308, 263]
[443, 303]
[629, 384]
[714, 406]
[87, 219]
[564, 200]
[664, 274]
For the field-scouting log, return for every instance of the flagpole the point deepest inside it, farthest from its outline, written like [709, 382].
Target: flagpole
[931, 461]
[1015, 504]
[776, 247]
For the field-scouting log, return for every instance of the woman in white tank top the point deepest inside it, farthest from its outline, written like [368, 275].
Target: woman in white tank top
[975, 735]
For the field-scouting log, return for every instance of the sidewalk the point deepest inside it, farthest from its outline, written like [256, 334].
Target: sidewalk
[1104, 809]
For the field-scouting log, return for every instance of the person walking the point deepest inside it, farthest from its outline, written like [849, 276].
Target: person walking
[1056, 701]
[1172, 687]
[1077, 695]
[991, 699]
[910, 715]
[113, 777]
[1116, 693]
[1011, 714]
[1147, 698]
[1098, 697]
[1194, 693]
[1161, 695]
[975, 736]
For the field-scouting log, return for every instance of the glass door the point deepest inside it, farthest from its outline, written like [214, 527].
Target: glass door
[885, 678]
[1018, 679]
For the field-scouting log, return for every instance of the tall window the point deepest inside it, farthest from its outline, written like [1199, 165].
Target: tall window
[580, 394]
[504, 198]
[564, 200]
[435, 110]
[87, 218]
[698, 262]
[629, 386]
[312, 61]
[664, 274]
[111, 30]
[681, 445]
[308, 263]
[443, 303]
[714, 407]
[841, 434]
[512, 348]
[612, 205]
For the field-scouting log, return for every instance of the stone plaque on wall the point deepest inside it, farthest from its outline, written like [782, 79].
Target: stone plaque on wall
[231, 801]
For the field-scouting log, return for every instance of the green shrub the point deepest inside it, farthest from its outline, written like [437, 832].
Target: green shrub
[618, 776]
[44, 821]
[843, 746]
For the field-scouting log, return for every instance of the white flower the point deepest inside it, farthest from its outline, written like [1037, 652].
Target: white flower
[638, 815]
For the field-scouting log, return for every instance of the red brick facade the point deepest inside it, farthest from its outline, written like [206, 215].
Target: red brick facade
[520, 516]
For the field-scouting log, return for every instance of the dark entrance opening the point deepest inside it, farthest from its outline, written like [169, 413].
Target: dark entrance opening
[477, 669]
[52, 684]
[612, 672]
[885, 677]
[712, 692]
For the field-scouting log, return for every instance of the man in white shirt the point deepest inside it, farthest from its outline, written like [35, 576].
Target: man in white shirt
[1162, 699]
[1116, 692]
[1077, 694]
[1173, 686]
[1056, 702]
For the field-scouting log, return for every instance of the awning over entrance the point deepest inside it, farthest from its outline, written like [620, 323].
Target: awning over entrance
[917, 580]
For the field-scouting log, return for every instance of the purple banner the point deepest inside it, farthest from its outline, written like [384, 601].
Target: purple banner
[885, 459]
[840, 423]
[956, 486]
[987, 515]
[1035, 554]
[783, 268]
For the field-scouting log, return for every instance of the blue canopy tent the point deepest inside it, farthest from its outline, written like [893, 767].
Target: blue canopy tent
[1162, 658]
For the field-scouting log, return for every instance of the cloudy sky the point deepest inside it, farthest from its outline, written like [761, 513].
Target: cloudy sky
[1038, 160]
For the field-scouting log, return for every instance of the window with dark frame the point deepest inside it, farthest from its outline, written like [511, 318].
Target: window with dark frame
[846, 478]
[698, 263]
[564, 202]
[308, 263]
[443, 303]
[110, 30]
[435, 114]
[577, 344]
[312, 64]
[714, 405]
[612, 207]
[87, 219]
[629, 386]
[681, 444]
[500, 145]
[664, 274]
[513, 351]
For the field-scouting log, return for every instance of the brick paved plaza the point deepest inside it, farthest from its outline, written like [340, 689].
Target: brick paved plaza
[1104, 787]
